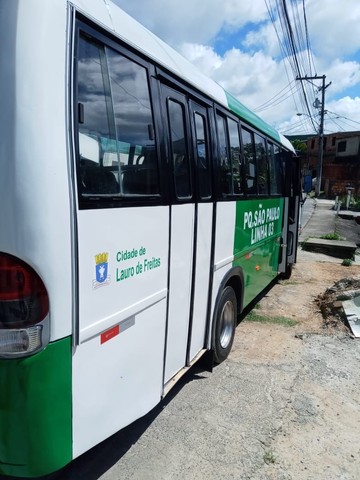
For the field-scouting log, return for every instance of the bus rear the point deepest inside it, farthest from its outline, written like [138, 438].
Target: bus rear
[35, 241]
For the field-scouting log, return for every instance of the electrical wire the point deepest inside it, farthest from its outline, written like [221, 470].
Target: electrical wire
[341, 116]
[294, 40]
[282, 47]
[278, 98]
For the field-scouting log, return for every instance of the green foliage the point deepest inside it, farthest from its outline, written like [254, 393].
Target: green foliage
[255, 317]
[300, 146]
[331, 236]
[354, 203]
[269, 457]
[347, 262]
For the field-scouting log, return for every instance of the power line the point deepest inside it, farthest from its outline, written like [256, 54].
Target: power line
[281, 45]
[341, 116]
[308, 46]
[279, 97]
[295, 47]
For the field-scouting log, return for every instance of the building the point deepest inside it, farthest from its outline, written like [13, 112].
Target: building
[341, 161]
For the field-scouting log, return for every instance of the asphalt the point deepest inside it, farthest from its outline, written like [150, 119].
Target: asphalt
[319, 217]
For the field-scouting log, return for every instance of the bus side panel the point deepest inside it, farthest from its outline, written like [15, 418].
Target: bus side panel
[202, 273]
[181, 264]
[35, 412]
[258, 242]
[118, 381]
[224, 246]
[118, 364]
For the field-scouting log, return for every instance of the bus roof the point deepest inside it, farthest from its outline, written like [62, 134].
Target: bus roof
[136, 35]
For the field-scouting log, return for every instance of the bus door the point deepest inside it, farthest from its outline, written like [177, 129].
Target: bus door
[183, 338]
[122, 229]
[291, 213]
[204, 227]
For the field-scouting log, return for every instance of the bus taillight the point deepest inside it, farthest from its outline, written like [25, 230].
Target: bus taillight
[24, 309]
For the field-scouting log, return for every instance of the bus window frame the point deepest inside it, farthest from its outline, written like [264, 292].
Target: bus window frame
[86, 29]
[195, 109]
[164, 77]
[264, 143]
[220, 195]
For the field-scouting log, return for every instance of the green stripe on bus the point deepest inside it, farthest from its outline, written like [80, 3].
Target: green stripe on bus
[245, 114]
[35, 412]
[257, 243]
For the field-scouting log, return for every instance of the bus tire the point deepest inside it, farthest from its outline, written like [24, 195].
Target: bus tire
[288, 272]
[225, 323]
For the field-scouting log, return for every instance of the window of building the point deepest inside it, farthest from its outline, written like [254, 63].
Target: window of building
[341, 147]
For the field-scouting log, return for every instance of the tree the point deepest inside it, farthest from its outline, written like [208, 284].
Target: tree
[300, 146]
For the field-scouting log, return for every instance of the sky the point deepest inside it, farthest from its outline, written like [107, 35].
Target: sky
[235, 43]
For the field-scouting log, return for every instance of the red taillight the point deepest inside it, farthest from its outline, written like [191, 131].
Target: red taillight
[23, 297]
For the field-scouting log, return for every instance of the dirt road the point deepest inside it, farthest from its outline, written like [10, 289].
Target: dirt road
[315, 370]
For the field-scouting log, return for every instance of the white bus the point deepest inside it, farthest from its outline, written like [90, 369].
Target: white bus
[141, 209]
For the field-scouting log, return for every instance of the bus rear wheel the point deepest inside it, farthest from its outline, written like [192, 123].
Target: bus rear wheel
[225, 323]
[288, 272]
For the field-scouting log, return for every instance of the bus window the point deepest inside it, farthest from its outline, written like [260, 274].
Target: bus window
[202, 157]
[224, 161]
[179, 150]
[235, 156]
[134, 125]
[96, 124]
[262, 165]
[116, 113]
[249, 161]
[275, 170]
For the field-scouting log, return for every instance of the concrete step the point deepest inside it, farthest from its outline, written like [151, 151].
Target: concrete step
[335, 248]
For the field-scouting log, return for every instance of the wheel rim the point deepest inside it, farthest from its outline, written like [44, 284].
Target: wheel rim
[227, 324]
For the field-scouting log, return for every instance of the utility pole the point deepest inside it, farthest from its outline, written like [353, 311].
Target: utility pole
[321, 128]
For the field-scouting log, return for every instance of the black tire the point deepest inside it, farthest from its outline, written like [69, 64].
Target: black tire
[225, 323]
[288, 272]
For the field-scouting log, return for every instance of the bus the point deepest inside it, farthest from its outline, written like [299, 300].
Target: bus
[142, 208]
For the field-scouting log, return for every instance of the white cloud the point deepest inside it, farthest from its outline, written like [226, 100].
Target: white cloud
[203, 56]
[253, 79]
[265, 39]
[255, 73]
[334, 27]
[343, 75]
[193, 21]
[345, 112]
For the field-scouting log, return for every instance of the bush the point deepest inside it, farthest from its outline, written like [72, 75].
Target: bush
[331, 236]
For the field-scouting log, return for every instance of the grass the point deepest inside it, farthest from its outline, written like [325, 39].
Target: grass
[278, 320]
[269, 457]
[347, 262]
[331, 236]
